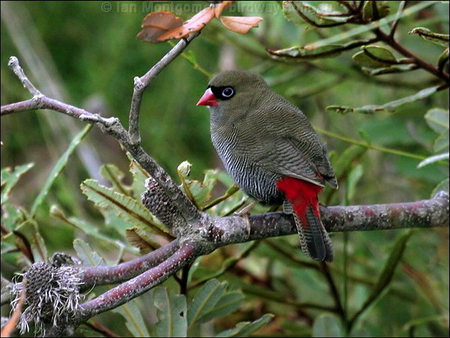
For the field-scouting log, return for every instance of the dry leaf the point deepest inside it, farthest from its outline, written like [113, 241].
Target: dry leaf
[162, 26]
[218, 9]
[157, 23]
[194, 24]
[240, 24]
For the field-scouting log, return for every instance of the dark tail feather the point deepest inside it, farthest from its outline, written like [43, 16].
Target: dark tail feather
[314, 239]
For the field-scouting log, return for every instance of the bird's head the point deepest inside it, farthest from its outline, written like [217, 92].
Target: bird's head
[233, 89]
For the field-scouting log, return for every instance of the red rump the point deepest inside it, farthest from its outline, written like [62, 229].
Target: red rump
[301, 194]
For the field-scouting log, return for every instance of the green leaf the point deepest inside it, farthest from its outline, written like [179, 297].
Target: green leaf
[313, 51]
[443, 59]
[347, 158]
[298, 11]
[58, 169]
[88, 229]
[388, 107]
[133, 318]
[114, 175]
[199, 192]
[11, 177]
[437, 119]
[139, 176]
[142, 240]
[442, 186]
[426, 34]
[12, 216]
[128, 209]
[441, 143]
[171, 312]
[433, 159]
[245, 328]
[382, 10]
[374, 57]
[387, 274]
[205, 300]
[327, 325]
[352, 181]
[29, 230]
[389, 70]
[394, 258]
[226, 305]
[87, 255]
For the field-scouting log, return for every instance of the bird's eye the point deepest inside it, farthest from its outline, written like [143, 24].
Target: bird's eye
[227, 92]
[223, 93]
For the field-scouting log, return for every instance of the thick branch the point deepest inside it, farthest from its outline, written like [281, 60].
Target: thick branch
[421, 214]
[106, 274]
[215, 232]
[138, 285]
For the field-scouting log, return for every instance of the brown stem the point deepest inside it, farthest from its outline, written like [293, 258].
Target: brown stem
[389, 40]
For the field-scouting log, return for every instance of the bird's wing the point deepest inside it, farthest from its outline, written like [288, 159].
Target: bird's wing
[293, 148]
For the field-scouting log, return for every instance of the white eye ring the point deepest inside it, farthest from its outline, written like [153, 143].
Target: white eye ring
[228, 92]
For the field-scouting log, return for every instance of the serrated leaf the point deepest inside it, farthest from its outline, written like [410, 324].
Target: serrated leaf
[199, 192]
[433, 159]
[205, 300]
[128, 209]
[113, 174]
[12, 216]
[327, 325]
[388, 107]
[29, 230]
[11, 177]
[133, 318]
[246, 328]
[437, 119]
[88, 229]
[373, 56]
[139, 175]
[171, 312]
[141, 240]
[426, 34]
[57, 170]
[227, 304]
[87, 255]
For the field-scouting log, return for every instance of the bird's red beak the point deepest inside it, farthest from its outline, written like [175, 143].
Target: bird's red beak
[208, 99]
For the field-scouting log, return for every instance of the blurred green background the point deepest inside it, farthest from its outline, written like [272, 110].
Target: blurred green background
[87, 54]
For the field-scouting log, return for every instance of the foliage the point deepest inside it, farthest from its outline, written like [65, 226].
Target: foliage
[393, 147]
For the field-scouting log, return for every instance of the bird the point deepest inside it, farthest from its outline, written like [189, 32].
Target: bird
[270, 149]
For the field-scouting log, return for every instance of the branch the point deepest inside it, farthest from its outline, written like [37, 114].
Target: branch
[141, 83]
[421, 214]
[113, 127]
[141, 274]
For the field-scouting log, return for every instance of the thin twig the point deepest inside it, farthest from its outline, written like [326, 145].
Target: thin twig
[141, 83]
